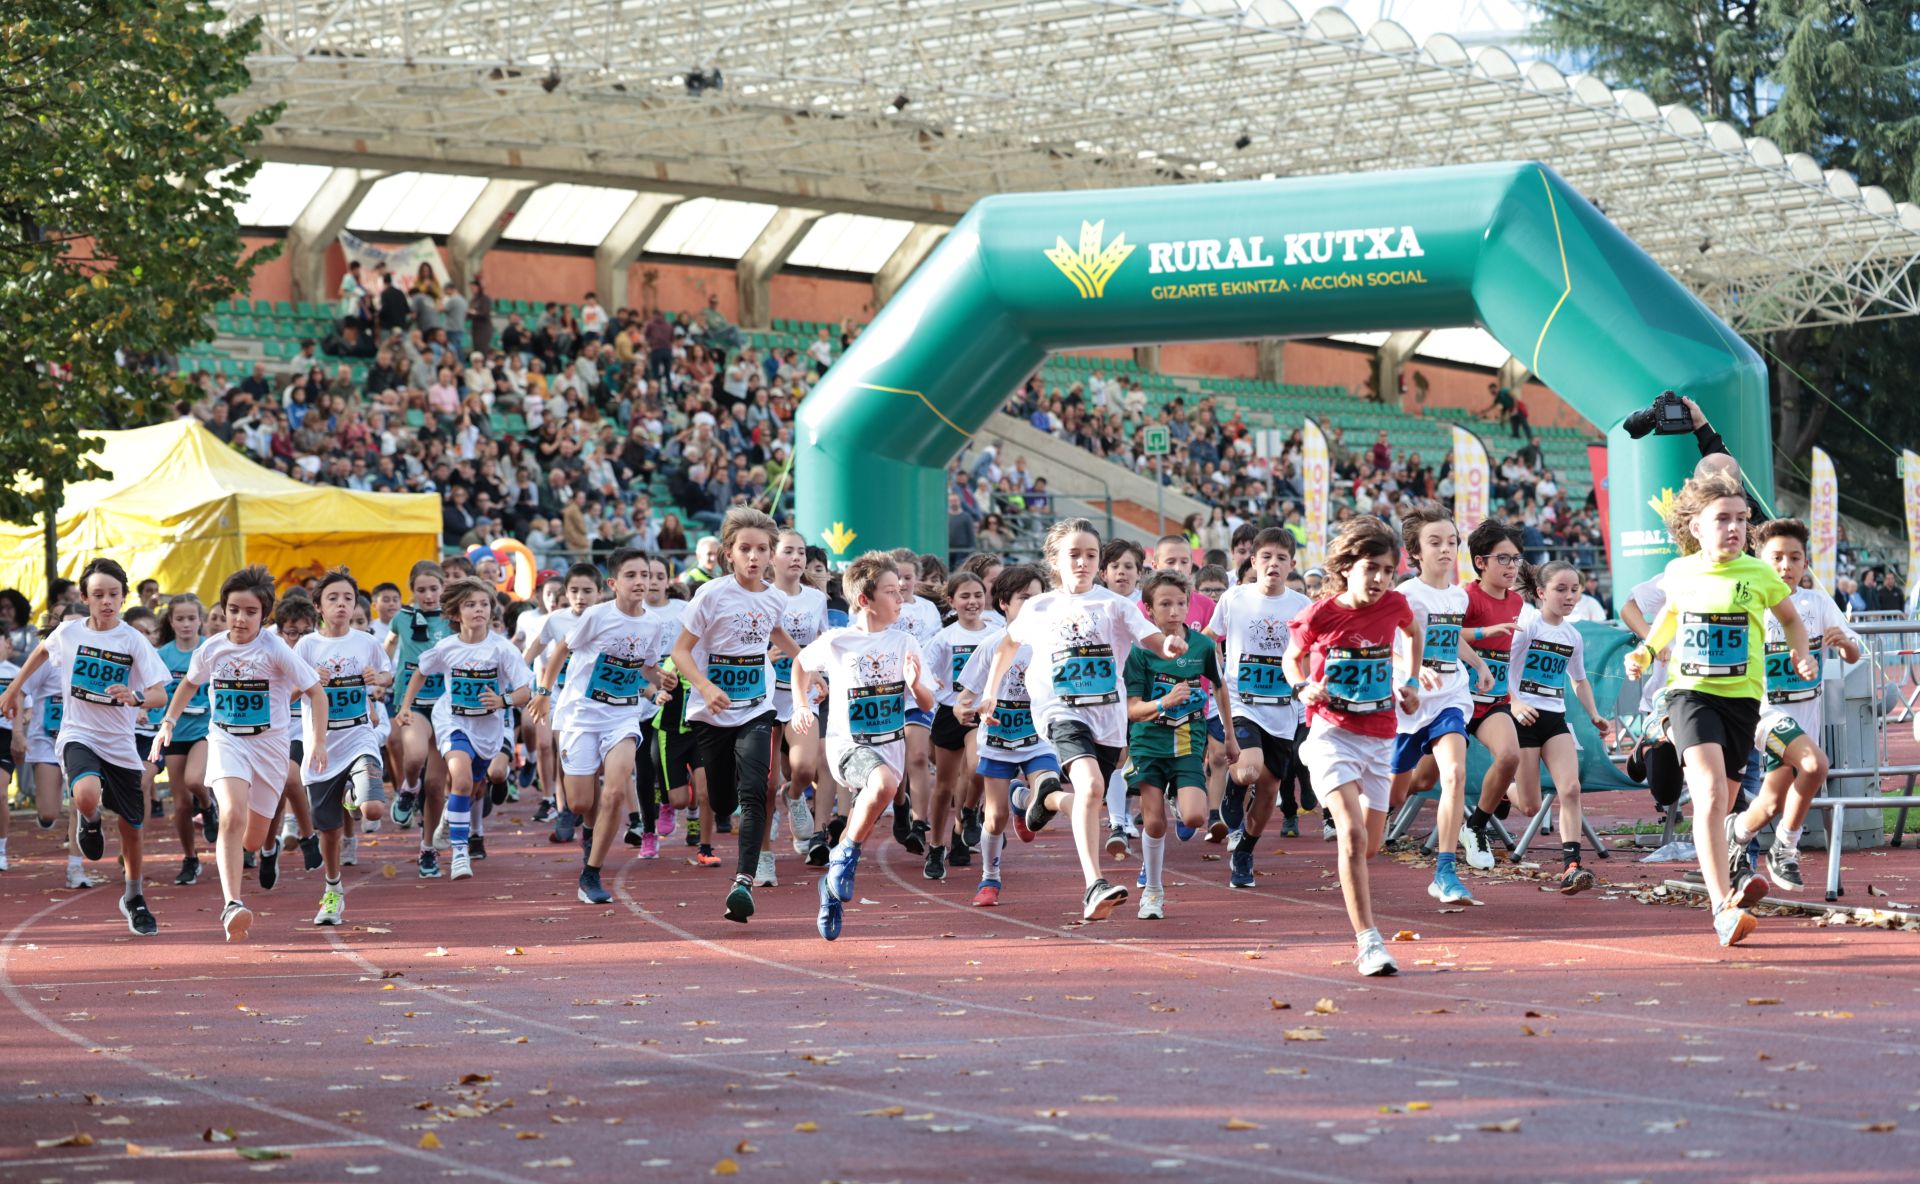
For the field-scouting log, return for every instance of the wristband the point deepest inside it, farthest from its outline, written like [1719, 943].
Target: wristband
[540, 692]
[1412, 681]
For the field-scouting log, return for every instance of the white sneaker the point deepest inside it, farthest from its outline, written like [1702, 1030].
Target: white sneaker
[1478, 848]
[440, 833]
[332, 906]
[1153, 904]
[236, 919]
[800, 822]
[290, 829]
[1732, 923]
[350, 851]
[369, 826]
[765, 876]
[462, 865]
[77, 876]
[4, 865]
[1373, 959]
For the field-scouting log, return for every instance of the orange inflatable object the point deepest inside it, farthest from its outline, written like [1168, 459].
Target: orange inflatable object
[521, 571]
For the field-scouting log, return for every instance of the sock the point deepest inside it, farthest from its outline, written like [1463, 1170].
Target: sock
[1445, 863]
[1367, 935]
[586, 836]
[990, 848]
[3, 844]
[73, 861]
[1790, 837]
[136, 886]
[1570, 853]
[459, 817]
[270, 849]
[479, 825]
[1740, 832]
[1247, 843]
[1477, 818]
[1116, 801]
[1153, 854]
[633, 819]
[334, 886]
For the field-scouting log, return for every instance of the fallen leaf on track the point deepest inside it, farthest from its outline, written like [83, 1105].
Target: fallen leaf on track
[1325, 1007]
[436, 952]
[1239, 1124]
[1878, 1128]
[884, 1112]
[261, 1153]
[1762, 1001]
[806, 1128]
[76, 1139]
[1304, 1034]
[1279, 1005]
[429, 1142]
[1407, 935]
[1506, 1126]
[726, 1167]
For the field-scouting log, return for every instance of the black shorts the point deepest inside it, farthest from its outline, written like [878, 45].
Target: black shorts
[6, 751]
[1695, 718]
[329, 797]
[119, 788]
[181, 747]
[297, 752]
[1073, 740]
[1545, 726]
[1480, 717]
[675, 752]
[948, 732]
[1275, 753]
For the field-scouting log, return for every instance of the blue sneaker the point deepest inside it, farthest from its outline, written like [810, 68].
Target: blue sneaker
[1447, 888]
[404, 805]
[1140, 881]
[1183, 831]
[1241, 863]
[841, 865]
[828, 922]
[1233, 806]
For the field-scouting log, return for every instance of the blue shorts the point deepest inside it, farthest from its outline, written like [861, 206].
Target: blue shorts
[917, 718]
[1409, 747]
[458, 742]
[1010, 770]
[1216, 731]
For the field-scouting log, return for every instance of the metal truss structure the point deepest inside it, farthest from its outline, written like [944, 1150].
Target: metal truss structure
[916, 108]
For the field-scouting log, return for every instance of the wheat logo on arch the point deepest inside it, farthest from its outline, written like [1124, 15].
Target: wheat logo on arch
[1092, 265]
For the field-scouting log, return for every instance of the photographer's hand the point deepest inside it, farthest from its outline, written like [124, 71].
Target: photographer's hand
[1699, 416]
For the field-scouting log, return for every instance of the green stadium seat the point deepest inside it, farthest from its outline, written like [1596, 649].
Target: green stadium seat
[283, 308]
[416, 418]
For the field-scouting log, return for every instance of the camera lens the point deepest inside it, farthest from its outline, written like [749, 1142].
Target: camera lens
[1639, 423]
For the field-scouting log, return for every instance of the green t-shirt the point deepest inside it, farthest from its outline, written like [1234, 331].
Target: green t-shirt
[1184, 732]
[1720, 646]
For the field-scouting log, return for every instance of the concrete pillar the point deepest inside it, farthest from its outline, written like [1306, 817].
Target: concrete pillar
[912, 250]
[1513, 374]
[319, 224]
[764, 258]
[1147, 357]
[1390, 359]
[1270, 363]
[482, 226]
[625, 241]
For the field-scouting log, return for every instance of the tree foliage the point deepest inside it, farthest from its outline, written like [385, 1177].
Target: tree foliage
[119, 174]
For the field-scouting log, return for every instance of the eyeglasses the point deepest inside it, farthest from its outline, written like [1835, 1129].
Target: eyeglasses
[1505, 560]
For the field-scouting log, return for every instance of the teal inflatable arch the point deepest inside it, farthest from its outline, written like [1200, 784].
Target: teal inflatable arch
[1510, 247]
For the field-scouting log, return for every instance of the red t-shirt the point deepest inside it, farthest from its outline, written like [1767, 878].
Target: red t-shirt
[1483, 610]
[1350, 652]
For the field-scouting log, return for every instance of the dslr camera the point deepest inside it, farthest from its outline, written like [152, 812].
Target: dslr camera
[1668, 416]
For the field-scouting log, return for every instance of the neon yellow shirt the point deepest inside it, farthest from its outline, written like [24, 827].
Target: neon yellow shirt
[1717, 611]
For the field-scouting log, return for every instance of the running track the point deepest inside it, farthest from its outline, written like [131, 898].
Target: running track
[935, 1041]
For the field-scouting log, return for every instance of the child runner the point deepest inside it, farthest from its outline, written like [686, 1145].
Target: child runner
[870, 669]
[1341, 666]
[146, 623]
[1011, 748]
[1790, 721]
[674, 773]
[919, 619]
[44, 701]
[1716, 596]
[1251, 621]
[186, 752]
[1548, 657]
[250, 674]
[723, 651]
[13, 746]
[107, 674]
[419, 772]
[1167, 736]
[385, 604]
[954, 750]
[1493, 612]
[1173, 552]
[294, 617]
[805, 619]
[1077, 633]
[580, 592]
[609, 659]
[527, 627]
[353, 672]
[1121, 561]
[482, 673]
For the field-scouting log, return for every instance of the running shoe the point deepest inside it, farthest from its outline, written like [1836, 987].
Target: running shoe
[77, 876]
[1037, 813]
[310, 851]
[1290, 826]
[1017, 798]
[1373, 959]
[740, 900]
[1750, 891]
[831, 913]
[1182, 831]
[649, 846]
[936, 865]
[988, 894]
[765, 875]
[1233, 806]
[971, 822]
[139, 920]
[5, 864]
[818, 849]
[1732, 923]
[841, 866]
[269, 867]
[663, 825]
[591, 891]
[1329, 832]
[1447, 888]
[477, 848]
[725, 825]
[635, 831]
[959, 851]
[1783, 860]
[497, 792]
[1240, 864]
[1739, 865]
[47, 823]
[333, 903]
[705, 857]
[429, 864]
[544, 811]
[917, 840]
[404, 805]
[443, 834]
[1117, 847]
[461, 863]
[565, 824]
[902, 823]
[800, 822]
[1216, 827]
[1477, 846]
[350, 851]
[210, 822]
[236, 919]
[289, 829]
[93, 844]
[189, 871]
[1308, 801]
[693, 830]
[836, 826]
[1101, 899]
[1575, 880]
[1153, 904]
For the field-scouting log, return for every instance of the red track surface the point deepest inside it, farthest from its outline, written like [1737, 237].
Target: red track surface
[934, 1041]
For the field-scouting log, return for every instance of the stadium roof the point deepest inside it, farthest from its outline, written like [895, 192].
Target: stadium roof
[910, 110]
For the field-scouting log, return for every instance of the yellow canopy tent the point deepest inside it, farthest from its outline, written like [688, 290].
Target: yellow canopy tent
[187, 510]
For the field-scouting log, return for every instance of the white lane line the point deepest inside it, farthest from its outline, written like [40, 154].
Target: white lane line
[149, 1152]
[48, 985]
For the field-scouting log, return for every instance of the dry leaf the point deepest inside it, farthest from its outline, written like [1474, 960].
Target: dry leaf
[1416, 1107]
[515, 951]
[1873, 891]
[1239, 1124]
[212, 1136]
[1099, 1097]
[1279, 1005]
[1762, 1001]
[1878, 1128]
[429, 1142]
[386, 871]
[93, 1099]
[1324, 1007]
[436, 952]
[726, 1167]
[1303, 1034]
[744, 1148]
[261, 1153]
[528, 1135]
[1406, 935]
[76, 1139]
[884, 1112]
[475, 1078]
[1050, 1112]
[1506, 1126]
[806, 1128]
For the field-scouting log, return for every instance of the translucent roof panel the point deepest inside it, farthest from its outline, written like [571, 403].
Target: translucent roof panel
[416, 203]
[850, 242]
[580, 215]
[278, 192]
[711, 226]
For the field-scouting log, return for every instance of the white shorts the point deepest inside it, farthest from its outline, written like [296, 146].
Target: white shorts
[40, 749]
[1334, 757]
[260, 761]
[583, 753]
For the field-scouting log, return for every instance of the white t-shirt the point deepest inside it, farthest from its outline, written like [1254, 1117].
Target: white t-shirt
[1547, 660]
[46, 706]
[378, 630]
[1255, 629]
[1789, 695]
[90, 661]
[1012, 736]
[1080, 646]
[669, 615]
[606, 684]
[528, 626]
[239, 677]
[470, 667]
[732, 629]
[948, 654]
[920, 619]
[866, 678]
[1588, 609]
[1650, 596]
[553, 629]
[344, 664]
[9, 672]
[1437, 613]
[804, 619]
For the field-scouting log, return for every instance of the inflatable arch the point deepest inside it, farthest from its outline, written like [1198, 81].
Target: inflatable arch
[1510, 247]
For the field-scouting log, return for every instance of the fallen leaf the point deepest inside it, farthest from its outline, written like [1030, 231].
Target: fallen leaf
[429, 1142]
[558, 1161]
[1324, 1007]
[212, 1136]
[744, 1148]
[475, 1078]
[92, 1099]
[261, 1153]
[1279, 1005]
[515, 951]
[1406, 935]
[806, 1128]
[1351, 1138]
[726, 1167]
[528, 1135]
[1416, 1107]
[884, 1112]
[386, 871]
[1762, 1001]
[1303, 1034]
[1443, 1138]
[1050, 1112]
[437, 952]
[117, 1120]
[1239, 1124]
[1506, 1126]
[76, 1139]
[1878, 1128]
[1873, 891]
[1099, 1097]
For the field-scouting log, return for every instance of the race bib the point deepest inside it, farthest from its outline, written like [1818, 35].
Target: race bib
[346, 702]
[1177, 713]
[877, 715]
[52, 710]
[960, 655]
[615, 681]
[742, 676]
[1359, 679]
[782, 672]
[1784, 684]
[1545, 671]
[1497, 666]
[1712, 645]
[469, 684]
[1261, 681]
[94, 670]
[240, 706]
[1012, 726]
[195, 706]
[1083, 675]
[1440, 645]
[431, 687]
